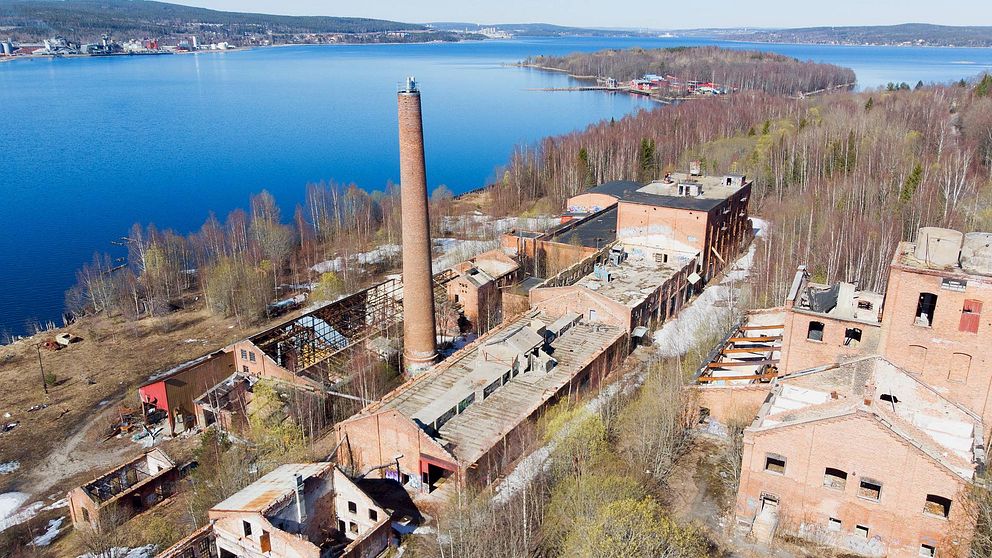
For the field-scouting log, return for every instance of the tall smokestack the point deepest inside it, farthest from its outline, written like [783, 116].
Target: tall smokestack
[419, 342]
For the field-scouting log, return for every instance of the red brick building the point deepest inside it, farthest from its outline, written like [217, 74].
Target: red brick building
[460, 421]
[828, 324]
[863, 456]
[707, 213]
[478, 286]
[938, 314]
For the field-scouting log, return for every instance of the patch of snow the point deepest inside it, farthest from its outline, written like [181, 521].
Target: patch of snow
[374, 256]
[147, 551]
[11, 512]
[63, 503]
[50, 534]
[102, 403]
[9, 467]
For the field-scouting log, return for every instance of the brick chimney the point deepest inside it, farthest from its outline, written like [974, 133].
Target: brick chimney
[419, 341]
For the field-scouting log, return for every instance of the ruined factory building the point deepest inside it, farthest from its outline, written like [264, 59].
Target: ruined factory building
[825, 324]
[300, 510]
[708, 213]
[935, 322]
[172, 392]
[456, 422]
[313, 350]
[125, 491]
[476, 286]
[863, 456]
[640, 283]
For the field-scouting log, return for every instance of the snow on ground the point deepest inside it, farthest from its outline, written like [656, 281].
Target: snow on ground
[456, 251]
[9, 467]
[50, 534]
[373, 256]
[11, 512]
[675, 338]
[147, 551]
[63, 503]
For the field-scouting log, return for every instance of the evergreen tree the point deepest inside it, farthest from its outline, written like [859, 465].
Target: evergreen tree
[646, 158]
[984, 87]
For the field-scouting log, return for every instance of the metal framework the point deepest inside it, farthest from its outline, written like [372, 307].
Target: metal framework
[318, 343]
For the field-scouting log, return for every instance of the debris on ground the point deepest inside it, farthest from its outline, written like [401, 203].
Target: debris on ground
[9, 426]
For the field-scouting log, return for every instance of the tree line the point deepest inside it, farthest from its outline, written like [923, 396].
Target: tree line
[243, 263]
[738, 69]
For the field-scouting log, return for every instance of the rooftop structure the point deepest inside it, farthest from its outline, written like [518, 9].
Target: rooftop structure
[637, 267]
[676, 190]
[841, 301]
[455, 415]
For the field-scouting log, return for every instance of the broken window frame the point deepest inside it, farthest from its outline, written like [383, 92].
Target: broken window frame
[928, 550]
[815, 327]
[772, 467]
[858, 529]
[852, 334]
[833, 479]
[352, 507]
[926, 307]
[866, 492]
[940, 501]
[834, 525]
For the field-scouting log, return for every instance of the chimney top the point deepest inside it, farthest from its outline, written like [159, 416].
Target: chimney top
[410, 87]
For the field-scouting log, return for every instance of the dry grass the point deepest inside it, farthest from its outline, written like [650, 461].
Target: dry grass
[61, 445]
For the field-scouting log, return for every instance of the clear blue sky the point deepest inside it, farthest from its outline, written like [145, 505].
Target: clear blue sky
[660, 14]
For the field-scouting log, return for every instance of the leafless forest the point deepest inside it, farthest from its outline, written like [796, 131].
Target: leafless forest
[739, 69]
[841, 177]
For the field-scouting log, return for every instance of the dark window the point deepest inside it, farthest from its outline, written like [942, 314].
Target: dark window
[466, 402]
[246, 527]
[352, 507]
[815, 331]
[852, 335]
[373, 515]
[341, 525]
[834, 478]
[244, 368]
[488, 390]
[353, 527]
[251, 356]
[244, 354]
[925, 308]
[404, 478]
[456, 298]
[86, 515]
[928, 551]
[971, 315]
[445, 418]
[870, 489]
[937, 505]
[775, 463]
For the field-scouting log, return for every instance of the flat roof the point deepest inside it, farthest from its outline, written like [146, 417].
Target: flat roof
[714, 191]
[594, 231]
[272, 488]
[912, 410]
[470, 434]
[640, 275]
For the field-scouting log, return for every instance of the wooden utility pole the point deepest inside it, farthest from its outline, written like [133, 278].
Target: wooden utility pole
[44, 384]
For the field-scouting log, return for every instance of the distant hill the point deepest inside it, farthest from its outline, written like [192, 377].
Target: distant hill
[87, 20]
[533, 29]
[904, 34]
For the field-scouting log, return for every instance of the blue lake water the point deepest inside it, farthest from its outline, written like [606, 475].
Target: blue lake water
[90, 146]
